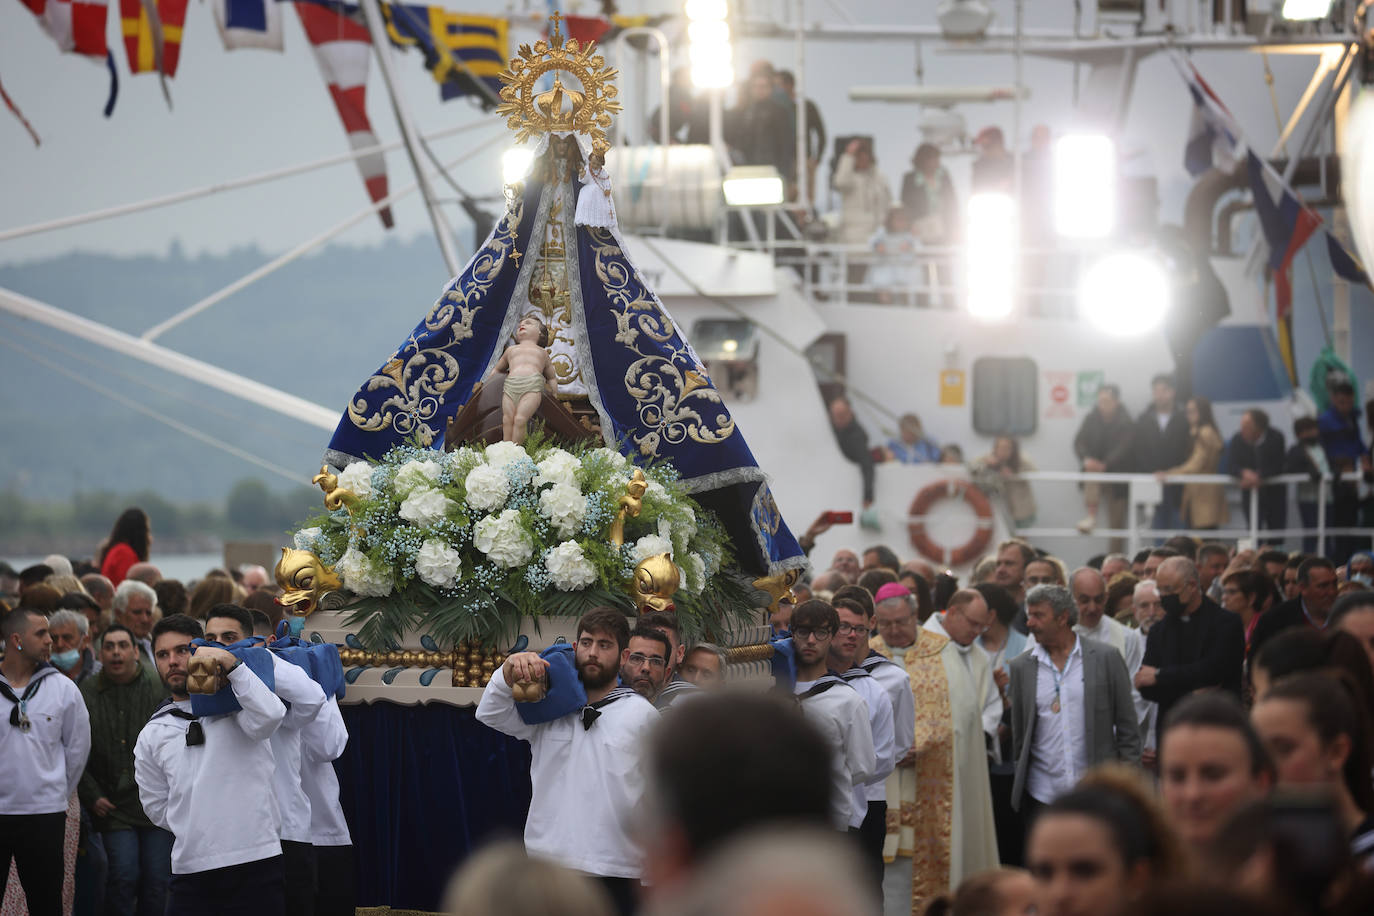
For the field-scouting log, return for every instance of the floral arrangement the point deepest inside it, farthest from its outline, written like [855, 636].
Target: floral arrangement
[464, 544]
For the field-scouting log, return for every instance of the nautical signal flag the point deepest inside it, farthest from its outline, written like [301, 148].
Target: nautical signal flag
[1287, 224]
[458, 48]
[78, 26]
[1214, 137]
[249, 24]
[342, 49]
[152, 34]
[1345, 264]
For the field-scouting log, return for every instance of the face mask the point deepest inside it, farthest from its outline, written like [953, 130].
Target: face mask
[1172, 604]
[66, 660]
[1363, 578]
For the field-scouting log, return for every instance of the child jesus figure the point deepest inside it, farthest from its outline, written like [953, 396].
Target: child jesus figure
[528, 368]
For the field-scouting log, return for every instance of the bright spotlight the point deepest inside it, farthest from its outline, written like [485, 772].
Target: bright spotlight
[991, 255]
[708, 32]
[699, 10]
[712, 65]
[753, 186]
[1084, 186]
[515, 164]
[1306, 9]
[1125, 293]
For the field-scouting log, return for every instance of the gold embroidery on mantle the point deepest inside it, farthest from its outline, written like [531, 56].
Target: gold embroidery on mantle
[422, 376]
[924, 794]
[673, 395]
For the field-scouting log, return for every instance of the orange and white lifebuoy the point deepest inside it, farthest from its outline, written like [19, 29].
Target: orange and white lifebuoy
[976, 499]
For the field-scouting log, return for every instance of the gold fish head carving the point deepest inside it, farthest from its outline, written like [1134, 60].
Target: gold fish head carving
[304, 580]
[656, 580]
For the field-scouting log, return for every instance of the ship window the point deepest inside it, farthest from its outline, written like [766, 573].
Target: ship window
[730, 348]
[1004, 396]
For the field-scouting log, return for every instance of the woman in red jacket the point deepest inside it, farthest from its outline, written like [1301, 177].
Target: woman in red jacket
[127, 544]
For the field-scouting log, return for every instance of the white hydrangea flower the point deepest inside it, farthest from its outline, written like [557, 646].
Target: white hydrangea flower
[569, 569]
[362, 576]
[651, 545]
[688, 527]
[615, 459]
[565, 506]
[503, 539]
[463, 457]
[657, 490]
[487, 488]
[694, 573]
[426, 506]
[305, 538]
[558, 466]
[500, 454]
[358, 478]
[437, 563]
[665, 528]
[414, 474]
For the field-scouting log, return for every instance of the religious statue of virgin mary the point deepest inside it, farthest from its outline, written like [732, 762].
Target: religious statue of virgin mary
[623, 368]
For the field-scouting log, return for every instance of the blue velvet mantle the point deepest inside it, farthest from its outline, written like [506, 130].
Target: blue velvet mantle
[652, 392]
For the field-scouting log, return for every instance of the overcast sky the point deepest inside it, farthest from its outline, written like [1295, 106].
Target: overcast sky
[246, 111]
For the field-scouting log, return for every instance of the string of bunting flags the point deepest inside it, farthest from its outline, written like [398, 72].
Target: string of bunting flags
[1215, 141]
[464, 52]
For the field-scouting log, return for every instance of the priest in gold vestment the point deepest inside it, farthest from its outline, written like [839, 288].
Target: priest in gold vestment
[940, 827]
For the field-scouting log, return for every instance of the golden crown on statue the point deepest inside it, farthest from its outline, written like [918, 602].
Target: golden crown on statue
[585, 110]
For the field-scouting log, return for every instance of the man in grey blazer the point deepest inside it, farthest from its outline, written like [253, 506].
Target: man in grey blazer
[1071, 705]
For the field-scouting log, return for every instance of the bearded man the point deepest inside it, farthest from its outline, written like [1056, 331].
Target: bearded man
[587, 789]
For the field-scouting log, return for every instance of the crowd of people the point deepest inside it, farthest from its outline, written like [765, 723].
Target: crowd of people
[118, 799]
[1192, 723]
[1171, 436]
[1187, 714]
[888, 231]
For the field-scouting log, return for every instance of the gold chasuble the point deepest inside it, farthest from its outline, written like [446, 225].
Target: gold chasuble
[939, 812]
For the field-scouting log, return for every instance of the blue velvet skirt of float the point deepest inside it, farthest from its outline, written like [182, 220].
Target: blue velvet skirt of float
[517, 386]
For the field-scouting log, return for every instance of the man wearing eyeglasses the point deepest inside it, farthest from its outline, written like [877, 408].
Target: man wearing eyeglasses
[673, 686]
[834, 707]
[947, 766]
[968, 617]
[848, 648]
[644, 664]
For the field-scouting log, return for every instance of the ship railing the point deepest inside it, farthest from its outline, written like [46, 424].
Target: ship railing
[1145, 491]
[929, 277]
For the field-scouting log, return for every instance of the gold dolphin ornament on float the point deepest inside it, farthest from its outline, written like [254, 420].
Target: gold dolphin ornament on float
[304, 580]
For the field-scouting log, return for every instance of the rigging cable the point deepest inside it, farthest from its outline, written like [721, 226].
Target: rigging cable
[161, 418]
[787, 345]
[237, 419]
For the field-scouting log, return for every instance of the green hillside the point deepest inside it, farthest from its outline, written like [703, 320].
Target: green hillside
[315, 329]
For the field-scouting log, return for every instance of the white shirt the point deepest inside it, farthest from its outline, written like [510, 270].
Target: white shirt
[885, 754]
[842, 717]
[305, 698]
[1120, 637]
[897, 683]
[992, 699]
[322, 742]
[1059, 751]
[216, 798]
[1145, 711]
[42, 766]
[587, 783]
